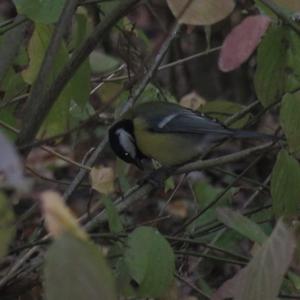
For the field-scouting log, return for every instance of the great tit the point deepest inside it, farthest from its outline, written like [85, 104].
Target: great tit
[168, 133]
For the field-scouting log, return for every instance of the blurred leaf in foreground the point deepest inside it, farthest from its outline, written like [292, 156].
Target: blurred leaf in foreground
[75, 267]
[58, 217]
[261, 279]
[10, 164]
[76, 270]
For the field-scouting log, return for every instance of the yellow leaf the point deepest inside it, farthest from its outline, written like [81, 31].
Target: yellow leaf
[201, 12]
[59, 218]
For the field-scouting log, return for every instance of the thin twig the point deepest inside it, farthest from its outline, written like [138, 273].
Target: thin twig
[208, 256]
[204, 164]
[49, 150]
[281, 14]
[192, 286]
[82, 173]
[139, 192]
[257, 192]
[152, 69]
[188, 58]
[217, 198]
[205, 245]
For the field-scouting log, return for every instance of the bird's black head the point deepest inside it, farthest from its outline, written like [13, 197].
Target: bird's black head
[123, 143]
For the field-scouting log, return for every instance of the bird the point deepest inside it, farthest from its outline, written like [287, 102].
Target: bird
[168, 133]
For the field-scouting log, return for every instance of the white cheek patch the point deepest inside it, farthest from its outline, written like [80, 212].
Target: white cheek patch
[166, 120]
[127, 142]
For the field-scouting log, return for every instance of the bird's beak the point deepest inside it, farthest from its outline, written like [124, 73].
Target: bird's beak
[139, 164]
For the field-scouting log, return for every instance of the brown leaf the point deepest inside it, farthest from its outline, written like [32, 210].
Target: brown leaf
[102, 179]
[192, 101]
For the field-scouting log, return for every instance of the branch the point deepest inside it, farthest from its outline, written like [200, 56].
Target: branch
[139, 192]
[204, 164]
[36, 97]
[153, 67]
[82, 173]
[36, 114]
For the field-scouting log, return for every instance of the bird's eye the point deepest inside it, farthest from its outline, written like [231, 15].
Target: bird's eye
[126, 153]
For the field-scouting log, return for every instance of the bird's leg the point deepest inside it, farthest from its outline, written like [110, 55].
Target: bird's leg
[156, 177]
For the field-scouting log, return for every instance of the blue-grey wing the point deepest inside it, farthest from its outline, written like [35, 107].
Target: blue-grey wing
[166, 117]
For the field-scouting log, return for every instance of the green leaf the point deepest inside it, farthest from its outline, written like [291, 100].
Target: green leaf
[285, 185]
[101, 62]
[293, 61]
[45, 11]
[108, 6]
[12, 85]
[7, 228]
[222, 109]
[271, 59]
[7, 115]
[241, 224]
[169, 184]
[37, 47]
[75, 269]
[115, 224]
[262, 278]
[80, 83]
[278, 65]
[79, 86]
[150, 261]
[205, 194]
[80, 28]
[290, 121]
[57, 120]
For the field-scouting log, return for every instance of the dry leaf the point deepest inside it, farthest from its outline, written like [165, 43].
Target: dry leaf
[201, 12]
[102, 179]
[192, 101]
[58, 217]
[178, 208]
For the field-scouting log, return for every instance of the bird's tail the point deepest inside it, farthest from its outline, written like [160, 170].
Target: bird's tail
[244, 134]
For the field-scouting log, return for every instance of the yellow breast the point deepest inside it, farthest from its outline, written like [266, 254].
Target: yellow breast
[167, 148]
